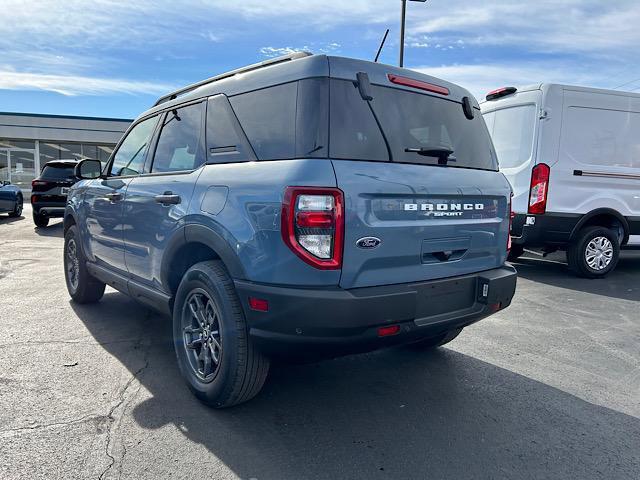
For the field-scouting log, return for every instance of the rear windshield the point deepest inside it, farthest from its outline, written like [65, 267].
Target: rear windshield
[512, 131]
[410, 121]
[57, 172]
[327, 118]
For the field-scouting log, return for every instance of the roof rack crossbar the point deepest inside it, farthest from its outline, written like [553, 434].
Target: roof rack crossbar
[248, 68]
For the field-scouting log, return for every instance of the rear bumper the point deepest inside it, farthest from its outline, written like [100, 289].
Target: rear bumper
[549, 229]
[304, 322]
[49, 209]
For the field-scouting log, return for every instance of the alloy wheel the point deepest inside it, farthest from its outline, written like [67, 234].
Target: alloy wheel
[73, 264]
[201, 334]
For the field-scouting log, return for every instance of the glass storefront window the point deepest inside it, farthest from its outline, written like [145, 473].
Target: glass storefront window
[19, 165]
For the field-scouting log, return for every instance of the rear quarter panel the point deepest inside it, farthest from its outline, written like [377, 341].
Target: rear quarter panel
[241, 203]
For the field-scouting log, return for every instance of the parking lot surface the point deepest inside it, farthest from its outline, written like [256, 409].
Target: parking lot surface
[549, 388]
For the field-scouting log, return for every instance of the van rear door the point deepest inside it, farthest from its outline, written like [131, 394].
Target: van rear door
[513, 124]
[421, 179]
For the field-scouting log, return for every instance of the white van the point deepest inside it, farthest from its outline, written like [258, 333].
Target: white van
[572, 156]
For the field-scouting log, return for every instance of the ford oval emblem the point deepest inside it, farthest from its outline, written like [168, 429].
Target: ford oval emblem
[368, 242]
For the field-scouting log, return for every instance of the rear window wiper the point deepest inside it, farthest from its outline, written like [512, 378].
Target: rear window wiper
[443, 154]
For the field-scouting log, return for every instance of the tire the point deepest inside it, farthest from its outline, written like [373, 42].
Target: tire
[82, 287]
[40, 220]
[515, 252]
[603, 242]
[17, 210]
[438, 341]
[241, 370]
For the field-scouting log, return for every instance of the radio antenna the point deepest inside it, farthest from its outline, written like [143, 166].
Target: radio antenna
[384, 39]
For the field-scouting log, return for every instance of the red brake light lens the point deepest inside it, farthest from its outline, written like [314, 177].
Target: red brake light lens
[511, 215]
[500, 92]
[313, 225]
[539, 190]
[410, 82]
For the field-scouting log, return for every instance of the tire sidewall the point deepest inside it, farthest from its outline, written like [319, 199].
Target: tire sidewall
[221, 385]
[589, 235]
[72, 233]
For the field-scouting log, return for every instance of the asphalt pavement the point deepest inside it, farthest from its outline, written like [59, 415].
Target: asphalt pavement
[547, 389]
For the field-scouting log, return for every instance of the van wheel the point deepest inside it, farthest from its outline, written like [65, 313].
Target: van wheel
[438, 341]
[40, 220]
[215, 354]
[594, 253]
[82, 287]
[17, 209]
[515, 252]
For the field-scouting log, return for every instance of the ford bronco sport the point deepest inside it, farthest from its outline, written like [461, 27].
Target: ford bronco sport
[307, 206]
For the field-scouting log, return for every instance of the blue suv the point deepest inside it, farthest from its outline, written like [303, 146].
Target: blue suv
[307, 206]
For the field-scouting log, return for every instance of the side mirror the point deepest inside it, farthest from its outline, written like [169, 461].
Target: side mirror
[88, 169]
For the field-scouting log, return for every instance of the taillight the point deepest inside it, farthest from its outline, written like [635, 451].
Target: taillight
[511, 215]
[539, 189]
[313, 225]
[35, 183]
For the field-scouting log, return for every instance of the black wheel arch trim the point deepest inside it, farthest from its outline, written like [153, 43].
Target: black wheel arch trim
[196, 233]
[602, 211]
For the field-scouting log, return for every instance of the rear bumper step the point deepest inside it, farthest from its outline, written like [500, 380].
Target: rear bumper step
[333, 321]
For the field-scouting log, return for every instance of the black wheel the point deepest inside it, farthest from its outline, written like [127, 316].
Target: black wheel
[515, 252]
[434, 342]
[594, 253]
[215, 354]
[17, 209]
[82, 287]
[40, 220]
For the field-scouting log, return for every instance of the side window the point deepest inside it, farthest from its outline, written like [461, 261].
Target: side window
[130, 156]
[268, 118]
[179, 144]
[226, 141]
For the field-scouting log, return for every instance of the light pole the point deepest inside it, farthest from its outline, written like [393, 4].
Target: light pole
[402, 22]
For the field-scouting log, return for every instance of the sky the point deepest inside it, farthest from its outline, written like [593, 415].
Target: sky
[113, 58]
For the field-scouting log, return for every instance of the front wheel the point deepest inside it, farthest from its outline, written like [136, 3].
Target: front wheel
[594, 253]
[17, 209]
[215, 354]
[82, 287]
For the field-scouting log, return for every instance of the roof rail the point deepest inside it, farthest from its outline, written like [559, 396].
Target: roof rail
[248, 68]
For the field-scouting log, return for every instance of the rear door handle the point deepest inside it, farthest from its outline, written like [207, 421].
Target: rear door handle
[113, 197]
[168, 198]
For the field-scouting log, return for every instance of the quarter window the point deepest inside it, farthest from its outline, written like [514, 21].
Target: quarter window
[268, 117]
[225, 140]
[130, 156]
[180, 146]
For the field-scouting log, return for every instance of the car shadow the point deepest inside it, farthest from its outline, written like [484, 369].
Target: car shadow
[54, 229]
[395, 413]
[622, 283]
[6, 219]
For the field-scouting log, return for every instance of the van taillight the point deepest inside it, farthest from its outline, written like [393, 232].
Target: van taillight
[313, 225]
[539, 189]
[511, 215]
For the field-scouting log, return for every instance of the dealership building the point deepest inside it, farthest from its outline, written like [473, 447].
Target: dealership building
[28, 141]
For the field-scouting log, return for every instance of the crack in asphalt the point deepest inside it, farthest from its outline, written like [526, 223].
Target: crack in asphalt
[86, 418]
[115, 418]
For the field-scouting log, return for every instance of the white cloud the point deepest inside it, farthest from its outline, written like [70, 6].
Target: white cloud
[74, 85]
[480, 79]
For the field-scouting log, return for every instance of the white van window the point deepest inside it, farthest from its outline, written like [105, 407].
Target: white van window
[512, 132]
[605, 138]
